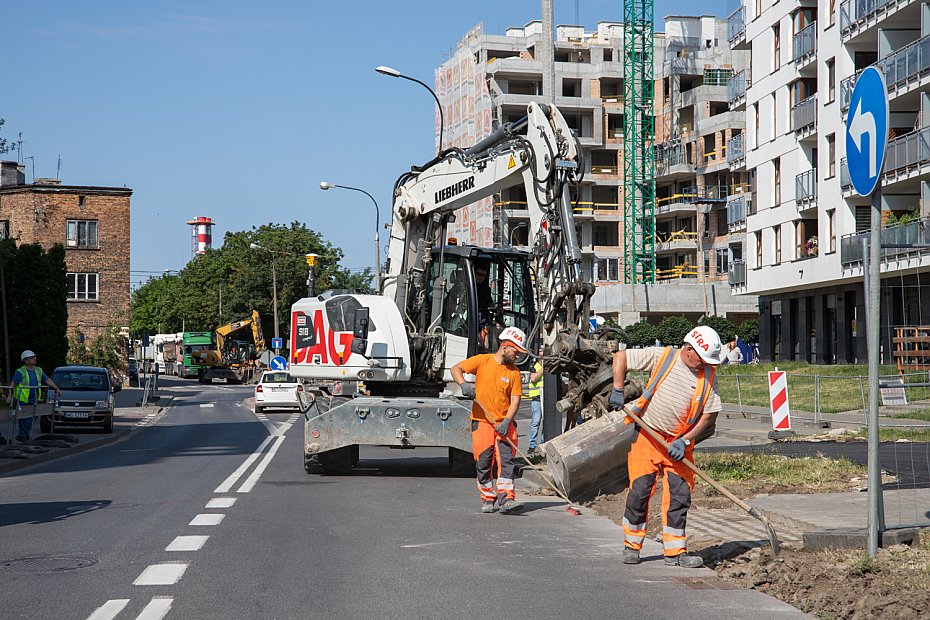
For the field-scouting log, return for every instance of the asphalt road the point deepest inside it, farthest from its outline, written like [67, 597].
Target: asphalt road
[207, 513]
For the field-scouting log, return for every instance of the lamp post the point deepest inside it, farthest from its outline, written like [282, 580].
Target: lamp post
[274, 286]
[397, 74]
[324, 186]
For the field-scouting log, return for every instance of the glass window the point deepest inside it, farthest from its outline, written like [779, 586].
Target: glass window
[723, 260]
[454, 293]
[277, 377]
[83, 287]
[777, 231]
[831, 224]
[831, 78]
[758, 248]
[340, 312]
[82, 234]
[831, 155]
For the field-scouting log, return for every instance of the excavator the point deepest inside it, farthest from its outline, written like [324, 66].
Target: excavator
[232, 360]
[436, 293]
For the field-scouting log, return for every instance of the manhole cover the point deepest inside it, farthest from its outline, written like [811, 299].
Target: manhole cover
[46, 565]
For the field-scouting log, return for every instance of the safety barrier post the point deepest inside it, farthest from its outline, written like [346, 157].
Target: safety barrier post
[739, 397]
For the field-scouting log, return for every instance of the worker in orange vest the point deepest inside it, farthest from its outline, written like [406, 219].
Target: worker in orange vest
[678, 402]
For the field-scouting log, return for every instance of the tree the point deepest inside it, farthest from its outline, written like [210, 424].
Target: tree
[673, 329]
[721, 325]
[748, 330]
[641, 334]
[105, 351]
[5, 146]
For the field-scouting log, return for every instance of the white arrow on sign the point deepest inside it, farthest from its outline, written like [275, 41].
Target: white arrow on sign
[864, 123]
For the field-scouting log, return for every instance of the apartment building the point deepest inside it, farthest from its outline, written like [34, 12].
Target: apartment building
[805, 224]
[490, 79]
[92, 223]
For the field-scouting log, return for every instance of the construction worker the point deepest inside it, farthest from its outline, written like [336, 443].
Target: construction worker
[534, 391]
[678, 402]
[25, 387]
[496, 392]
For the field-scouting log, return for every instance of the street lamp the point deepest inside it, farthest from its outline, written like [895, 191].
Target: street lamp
[324, 186]
[274, 287]
[390, 72]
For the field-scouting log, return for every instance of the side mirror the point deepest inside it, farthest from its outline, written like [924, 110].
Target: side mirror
[360, 326]
[116, 388]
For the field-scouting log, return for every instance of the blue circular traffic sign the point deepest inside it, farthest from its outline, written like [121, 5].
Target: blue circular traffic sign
[278, 363]
[867, 131]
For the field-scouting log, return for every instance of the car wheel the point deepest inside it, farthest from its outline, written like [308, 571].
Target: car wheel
[259, 409]
[45, 424]
[108, 425]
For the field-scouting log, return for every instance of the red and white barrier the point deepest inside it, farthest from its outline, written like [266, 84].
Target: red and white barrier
[778, 400]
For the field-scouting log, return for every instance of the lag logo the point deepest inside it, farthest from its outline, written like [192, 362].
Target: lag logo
[313, 343]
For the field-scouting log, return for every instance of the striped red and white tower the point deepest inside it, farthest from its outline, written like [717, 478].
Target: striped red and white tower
[201, 234]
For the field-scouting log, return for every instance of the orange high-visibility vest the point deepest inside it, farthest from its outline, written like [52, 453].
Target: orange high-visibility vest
[659, 373]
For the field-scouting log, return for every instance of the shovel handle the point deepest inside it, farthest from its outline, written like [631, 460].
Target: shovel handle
[689, 464]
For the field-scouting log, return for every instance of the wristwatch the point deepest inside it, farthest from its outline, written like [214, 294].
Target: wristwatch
[687, 441]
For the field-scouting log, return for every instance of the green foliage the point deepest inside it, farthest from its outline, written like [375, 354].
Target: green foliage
[720, 324]
[5, 146]
[748, 330]
[903, 217]
[673, 329]
[36, 303]
[106, 350]
[190, 299]
[641, 334]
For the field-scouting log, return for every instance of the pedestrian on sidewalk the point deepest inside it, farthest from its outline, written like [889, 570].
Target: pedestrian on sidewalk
[679, 402]
[534, 391]
[734, 355]
[497, 388]
[25, 387]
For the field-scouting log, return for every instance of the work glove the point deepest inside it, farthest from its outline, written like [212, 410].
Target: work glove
[468, 390]
[615, 400]
[502, 427]
[676, 450]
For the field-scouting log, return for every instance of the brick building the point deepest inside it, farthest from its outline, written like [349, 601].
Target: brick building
[92, 223]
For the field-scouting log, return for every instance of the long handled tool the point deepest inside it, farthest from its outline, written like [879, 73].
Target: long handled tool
[572, 508]
[769, 530]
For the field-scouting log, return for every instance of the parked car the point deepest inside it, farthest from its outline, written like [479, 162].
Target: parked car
[278, 388]
[132, 372]
[86, 398]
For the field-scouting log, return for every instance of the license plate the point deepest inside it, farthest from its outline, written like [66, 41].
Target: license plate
[279, 389]
[77, 414]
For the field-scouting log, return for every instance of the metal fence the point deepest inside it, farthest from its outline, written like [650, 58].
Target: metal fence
[908, 150]
[899, 67]
[738, 208]
[736, 276]
[851, 11]
[804, 113]
[805, 186]
[736, 148]
[805, 41]
[737, 86]
[736, 23]
[911, 233]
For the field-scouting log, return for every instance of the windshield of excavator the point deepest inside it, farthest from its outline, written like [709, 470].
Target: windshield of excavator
[502, 283]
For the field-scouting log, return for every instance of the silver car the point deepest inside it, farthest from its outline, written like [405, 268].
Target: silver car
[86, 398]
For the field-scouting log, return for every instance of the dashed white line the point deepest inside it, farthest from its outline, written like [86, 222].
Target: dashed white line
[109, 610]
[161, 575]
[157, 608]
[221, 502]
[206, 405]
[207, 519]
[234, 477]
[250, 482]
[187, 543]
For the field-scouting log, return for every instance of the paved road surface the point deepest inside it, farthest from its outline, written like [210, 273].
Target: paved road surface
[204, 514]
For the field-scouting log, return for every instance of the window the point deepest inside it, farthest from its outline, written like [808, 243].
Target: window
[82, 201]
[776, 35]
[4, 229]
[758, 8]
[777, 181]
[774, 116]
[755, 112]
[723, 261]
[758, 249]
[800, 239]
[831, 228]
[832, 13]
[608, 55]
[831, 155]
[777, 231]
[82, 234]
[831, 79]
[83, 287]
[706, 263]
[607, 269]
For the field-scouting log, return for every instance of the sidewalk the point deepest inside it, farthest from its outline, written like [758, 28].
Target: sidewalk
[128, 416]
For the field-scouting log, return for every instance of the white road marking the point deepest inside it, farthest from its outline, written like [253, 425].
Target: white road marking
[109, 610]
[234, 477]
[207, 519]
[249, 483]
[161, 574]
[187, 543]
[157, 608]
[206, 405]
[221, 502]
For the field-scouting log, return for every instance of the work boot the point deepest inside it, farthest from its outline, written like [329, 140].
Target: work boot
[488, 506]
[506, 505]
[22, 438]
[685, 560]
[631, 556]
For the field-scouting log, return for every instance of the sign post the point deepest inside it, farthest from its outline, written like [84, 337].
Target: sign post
[866, 142]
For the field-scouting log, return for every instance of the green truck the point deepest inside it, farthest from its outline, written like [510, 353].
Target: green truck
[194, 342]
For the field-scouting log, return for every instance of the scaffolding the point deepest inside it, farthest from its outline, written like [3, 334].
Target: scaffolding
[639, 220]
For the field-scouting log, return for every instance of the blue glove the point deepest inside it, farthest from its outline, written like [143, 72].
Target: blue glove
[502, 427]
[676, 451]
[615, 400]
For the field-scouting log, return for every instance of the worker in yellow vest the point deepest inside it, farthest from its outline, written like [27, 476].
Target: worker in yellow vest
[25, 386]
[535, 394]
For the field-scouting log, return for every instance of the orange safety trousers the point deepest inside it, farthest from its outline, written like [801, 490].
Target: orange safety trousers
[493, 455]
[646, 461]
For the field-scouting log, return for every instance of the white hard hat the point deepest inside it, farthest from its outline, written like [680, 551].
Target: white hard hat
[514, 336]
[706, 341]
[27, 353]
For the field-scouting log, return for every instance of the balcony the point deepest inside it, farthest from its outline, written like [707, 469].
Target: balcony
[611, 170]
[736, 27]
[907, 152]
[804, 116]
[738, 209]
[845, 182]
[707, 193]
[736, 276]
[736, 89]
[805, 189]
[736, 152]
[912, 233]
[854, 14]
[899, 69]
[805, 45]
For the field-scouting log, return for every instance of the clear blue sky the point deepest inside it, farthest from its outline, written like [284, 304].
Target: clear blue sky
[237, 110]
